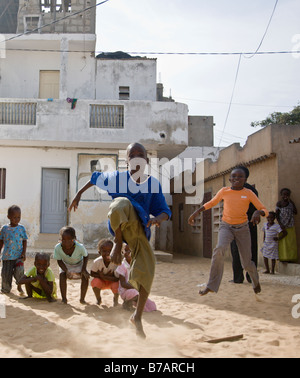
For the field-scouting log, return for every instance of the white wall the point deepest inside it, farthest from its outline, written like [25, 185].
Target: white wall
[24, 184]
[138, 74]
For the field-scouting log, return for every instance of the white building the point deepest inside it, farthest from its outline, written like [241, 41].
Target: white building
[49, 146]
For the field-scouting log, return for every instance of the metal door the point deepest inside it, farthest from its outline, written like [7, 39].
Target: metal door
[54, 200]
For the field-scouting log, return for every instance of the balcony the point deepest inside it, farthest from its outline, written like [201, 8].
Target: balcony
[94, 124]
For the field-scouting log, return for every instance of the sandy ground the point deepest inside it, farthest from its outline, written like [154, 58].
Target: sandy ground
[182, 326]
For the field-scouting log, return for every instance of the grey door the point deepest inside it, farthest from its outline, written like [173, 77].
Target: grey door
[54, 200]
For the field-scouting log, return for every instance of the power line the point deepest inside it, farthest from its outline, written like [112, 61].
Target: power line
[265, 33]
[54, 22]
[156, 53]
[230, 103]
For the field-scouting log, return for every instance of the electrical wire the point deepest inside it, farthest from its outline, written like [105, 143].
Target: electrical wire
[265, 33]
[54, 22]
[232, 94]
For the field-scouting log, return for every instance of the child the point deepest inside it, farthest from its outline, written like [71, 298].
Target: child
[72, 258]
[40, 280]
[104, 272]
[13, 237]
[127, 292]
[234, 225]
[136, 196]
[285, 211]
[271, 238]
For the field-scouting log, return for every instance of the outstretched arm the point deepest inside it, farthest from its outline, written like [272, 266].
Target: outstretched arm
[192, 218]
[76, 199]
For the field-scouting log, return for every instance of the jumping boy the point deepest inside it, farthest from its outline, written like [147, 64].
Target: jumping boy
[136, 196]
[234, 226]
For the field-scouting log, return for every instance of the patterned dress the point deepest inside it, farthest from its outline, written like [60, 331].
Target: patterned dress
[270, 246]
[288, 245]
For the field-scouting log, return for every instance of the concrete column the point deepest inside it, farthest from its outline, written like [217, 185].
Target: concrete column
[64, 46]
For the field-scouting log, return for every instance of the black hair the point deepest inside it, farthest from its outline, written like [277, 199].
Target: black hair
[102, 242]
[287, 189]
[68, 230]
[13, 208]
[42, 256]
[243, 168]
[272, 213]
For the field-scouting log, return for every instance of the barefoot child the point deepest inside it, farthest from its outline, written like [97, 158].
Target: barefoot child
[14, 239]
[104, 272]
[234, 226]
[136, 196]
[40, 279]
[72, 258]
[127, 292]
[271, 232]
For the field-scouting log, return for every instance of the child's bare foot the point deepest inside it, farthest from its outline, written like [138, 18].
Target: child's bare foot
[257, 289]
[138, 326]
[267, 272]
[64, 301]
[205, 291]
[82, 301]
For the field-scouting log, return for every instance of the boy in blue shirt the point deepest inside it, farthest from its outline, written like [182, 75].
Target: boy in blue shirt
[14, 239]
[136, 196]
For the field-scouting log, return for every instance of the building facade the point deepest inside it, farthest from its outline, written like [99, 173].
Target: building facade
[272, 162]
[65, 113]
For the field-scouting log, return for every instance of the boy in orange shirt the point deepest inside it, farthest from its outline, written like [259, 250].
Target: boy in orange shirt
[234, 225]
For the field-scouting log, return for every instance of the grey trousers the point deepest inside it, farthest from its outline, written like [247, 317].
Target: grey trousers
[241, 234]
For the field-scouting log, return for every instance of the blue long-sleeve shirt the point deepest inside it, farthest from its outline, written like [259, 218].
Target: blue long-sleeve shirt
[147, 198]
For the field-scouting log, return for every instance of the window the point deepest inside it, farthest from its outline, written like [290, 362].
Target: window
[107, 116]
[217, 216]
[18, 113]
[124, 93]
[31, 23]
[2, 182]
[181, 217]
[196, 227]
[48, 6]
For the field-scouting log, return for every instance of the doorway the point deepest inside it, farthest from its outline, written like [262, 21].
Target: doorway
[54, 206]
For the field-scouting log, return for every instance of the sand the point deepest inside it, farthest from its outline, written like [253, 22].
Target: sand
[182, 326]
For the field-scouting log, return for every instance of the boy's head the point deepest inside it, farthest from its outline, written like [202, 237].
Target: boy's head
[285, 193]
[67, 236]
[42, 262]
[104, 248]
[14, 215]
[136, 158]
[271, 217]
[238, 178]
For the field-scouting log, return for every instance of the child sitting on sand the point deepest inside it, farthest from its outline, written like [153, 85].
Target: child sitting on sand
[40, 279]
[72, 258]
[104, 272]
[271, 232]
[234, 226]
[127, 292]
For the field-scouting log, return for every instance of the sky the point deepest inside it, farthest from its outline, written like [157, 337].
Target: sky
[234, 89]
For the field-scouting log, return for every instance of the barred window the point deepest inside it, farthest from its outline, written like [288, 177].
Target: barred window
[2, 182]
[107, 116]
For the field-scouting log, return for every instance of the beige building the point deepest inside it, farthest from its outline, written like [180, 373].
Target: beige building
[272, 162]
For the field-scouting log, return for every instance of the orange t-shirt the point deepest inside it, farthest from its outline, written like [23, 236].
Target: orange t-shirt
[236, 204]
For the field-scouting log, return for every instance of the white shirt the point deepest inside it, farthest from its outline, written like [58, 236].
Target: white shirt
[98, 264]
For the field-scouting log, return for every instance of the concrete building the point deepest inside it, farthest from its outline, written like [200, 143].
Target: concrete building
[65, 113]
[271, 160]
